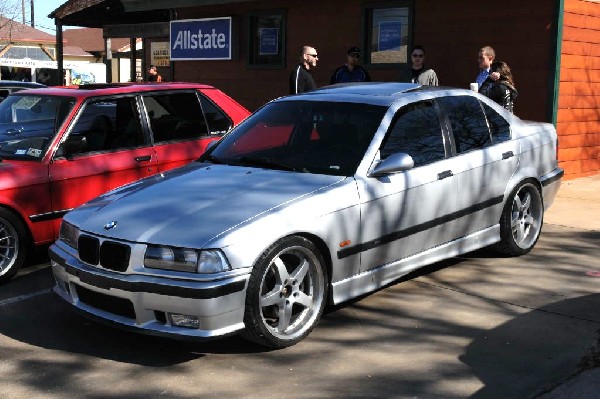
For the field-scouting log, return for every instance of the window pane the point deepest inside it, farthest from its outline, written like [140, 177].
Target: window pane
[266, 40]
[217, 121]
[418, 133]
[389, 35]
[499, 127]
[469, 125]
[176, 116]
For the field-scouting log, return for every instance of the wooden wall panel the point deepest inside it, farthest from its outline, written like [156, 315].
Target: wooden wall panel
[578, 117]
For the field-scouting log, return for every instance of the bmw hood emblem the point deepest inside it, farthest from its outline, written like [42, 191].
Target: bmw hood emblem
[110, 225]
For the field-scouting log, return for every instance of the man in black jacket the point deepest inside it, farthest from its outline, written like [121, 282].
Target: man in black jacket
[301, 79]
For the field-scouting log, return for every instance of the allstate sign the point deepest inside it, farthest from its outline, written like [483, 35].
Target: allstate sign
[201, 39]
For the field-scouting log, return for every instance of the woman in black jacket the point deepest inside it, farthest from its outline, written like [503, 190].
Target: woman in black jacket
[502, 90]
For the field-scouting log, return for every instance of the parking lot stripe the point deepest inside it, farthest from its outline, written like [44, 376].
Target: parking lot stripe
[25, 297]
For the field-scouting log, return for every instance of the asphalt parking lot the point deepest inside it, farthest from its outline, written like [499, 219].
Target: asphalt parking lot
[477, 326]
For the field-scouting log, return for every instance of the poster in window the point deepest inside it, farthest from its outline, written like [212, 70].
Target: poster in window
[159, 54]
[390, 35]
[269, 44]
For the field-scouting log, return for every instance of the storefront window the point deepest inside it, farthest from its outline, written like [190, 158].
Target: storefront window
[267, 40]
[34, 53]
[388, 32]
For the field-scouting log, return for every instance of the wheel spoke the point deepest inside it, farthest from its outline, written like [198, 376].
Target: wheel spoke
[285, 316]
[527, 203]
[520, 233]
[304, 300]
[282, 273]
[529, 220]
[271, 298]
[300, 271]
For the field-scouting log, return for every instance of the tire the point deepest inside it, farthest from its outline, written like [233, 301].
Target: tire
[521, 220]
[286, 293]
[12, 245]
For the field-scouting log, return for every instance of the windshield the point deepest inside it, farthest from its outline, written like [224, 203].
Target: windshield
[303, 136]
[28, 123]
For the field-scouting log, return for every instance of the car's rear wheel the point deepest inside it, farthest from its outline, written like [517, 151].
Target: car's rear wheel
[12, 245]
[521, 221]
[286, 293]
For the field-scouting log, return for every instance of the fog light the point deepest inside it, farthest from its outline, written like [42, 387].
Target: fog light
[184, 320]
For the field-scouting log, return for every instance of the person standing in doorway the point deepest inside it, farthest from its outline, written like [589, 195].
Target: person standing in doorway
[301, 79]
[418, 72]
[502, 90]
[351, 71]
[153, 75]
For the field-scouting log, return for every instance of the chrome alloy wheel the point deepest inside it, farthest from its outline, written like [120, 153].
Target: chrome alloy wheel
[9, 246]
[291, 293]
[526, 216]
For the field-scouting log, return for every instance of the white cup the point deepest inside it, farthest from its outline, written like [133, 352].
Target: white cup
[474, 87]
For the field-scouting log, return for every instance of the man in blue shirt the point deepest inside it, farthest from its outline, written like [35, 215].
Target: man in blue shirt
[351, 71]
[485, 59]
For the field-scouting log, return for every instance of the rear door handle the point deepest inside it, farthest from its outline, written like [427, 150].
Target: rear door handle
[444, 174]
[507, 155]
[143, 158]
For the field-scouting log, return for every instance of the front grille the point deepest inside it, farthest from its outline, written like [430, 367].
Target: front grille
[110, 304]
[110, 254]
[114, 256]
[88, 248]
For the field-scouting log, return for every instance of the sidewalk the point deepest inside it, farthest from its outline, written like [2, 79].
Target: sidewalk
[577, 205]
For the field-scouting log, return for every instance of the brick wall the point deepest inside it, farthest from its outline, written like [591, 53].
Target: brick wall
[578, 119]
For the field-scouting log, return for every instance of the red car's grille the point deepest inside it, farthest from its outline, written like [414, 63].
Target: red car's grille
[110, 255]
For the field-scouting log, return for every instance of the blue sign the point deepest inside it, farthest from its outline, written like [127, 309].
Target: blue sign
[269, 41]
[390, 35]
[201, 39]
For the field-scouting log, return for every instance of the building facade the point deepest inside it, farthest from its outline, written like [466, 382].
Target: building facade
[552, 47]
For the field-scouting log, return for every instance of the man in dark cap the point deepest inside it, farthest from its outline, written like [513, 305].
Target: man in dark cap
[351, 71]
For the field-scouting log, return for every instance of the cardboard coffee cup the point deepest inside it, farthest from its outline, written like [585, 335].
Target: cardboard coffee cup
[474, 87]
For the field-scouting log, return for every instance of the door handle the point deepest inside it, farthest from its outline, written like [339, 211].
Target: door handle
[143, 158]
[508, 154]
[444, 174]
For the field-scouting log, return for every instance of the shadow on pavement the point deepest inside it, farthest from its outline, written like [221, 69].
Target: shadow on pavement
[534, 352]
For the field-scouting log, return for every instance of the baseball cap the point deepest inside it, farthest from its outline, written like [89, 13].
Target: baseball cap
[353, 50]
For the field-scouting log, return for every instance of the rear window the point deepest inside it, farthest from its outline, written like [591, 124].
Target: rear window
[28, 123]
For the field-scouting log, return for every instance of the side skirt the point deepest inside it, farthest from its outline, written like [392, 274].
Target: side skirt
[382, 275]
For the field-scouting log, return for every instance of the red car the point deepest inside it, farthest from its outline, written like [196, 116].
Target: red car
[60, 147]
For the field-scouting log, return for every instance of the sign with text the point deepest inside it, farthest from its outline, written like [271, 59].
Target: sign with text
[159, 54]
[269, 44]
[201, 39]
[390, 35]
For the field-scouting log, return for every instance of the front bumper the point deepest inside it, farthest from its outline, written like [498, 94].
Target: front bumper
[148, 303]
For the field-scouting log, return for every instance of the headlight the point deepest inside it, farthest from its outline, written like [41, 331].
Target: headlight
[185, 260]
[69, 234]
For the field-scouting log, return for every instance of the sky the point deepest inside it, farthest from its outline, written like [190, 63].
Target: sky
[41, 9]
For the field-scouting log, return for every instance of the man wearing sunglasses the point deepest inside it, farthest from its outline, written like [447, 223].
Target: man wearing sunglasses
[301, 79]
[351, 71]
[418, 72]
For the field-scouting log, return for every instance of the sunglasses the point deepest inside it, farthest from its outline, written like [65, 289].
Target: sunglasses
[418, 55]
[313, 55]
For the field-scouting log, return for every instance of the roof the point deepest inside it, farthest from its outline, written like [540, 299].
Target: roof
[13, 31]
[91, 39]
[76, 51]
[106, 89]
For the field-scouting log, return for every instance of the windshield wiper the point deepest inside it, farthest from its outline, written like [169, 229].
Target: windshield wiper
[266, 163]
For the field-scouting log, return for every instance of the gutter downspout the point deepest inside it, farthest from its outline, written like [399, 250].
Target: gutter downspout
[557, 59]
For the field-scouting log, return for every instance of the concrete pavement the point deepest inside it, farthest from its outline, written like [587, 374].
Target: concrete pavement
[577, 205]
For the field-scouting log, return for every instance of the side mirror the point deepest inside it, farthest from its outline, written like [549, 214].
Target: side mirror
[74, 145]
[395, 163]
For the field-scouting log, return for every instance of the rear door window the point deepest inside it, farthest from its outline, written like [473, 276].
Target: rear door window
[468, 122]
[175, 116]
[499, 126]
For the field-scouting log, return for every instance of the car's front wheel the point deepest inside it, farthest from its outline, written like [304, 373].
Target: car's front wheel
[521, 221]
[286, 293]
[12, 245]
